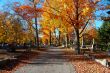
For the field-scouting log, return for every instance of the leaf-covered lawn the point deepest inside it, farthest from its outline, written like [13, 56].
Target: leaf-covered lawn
[89, 67]
[85, 65]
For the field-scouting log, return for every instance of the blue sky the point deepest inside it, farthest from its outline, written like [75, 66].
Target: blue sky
[101, 13]
[4, 5]
[8, 3]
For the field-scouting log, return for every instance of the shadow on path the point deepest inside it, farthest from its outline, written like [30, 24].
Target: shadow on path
[52, 56]
[51, 61]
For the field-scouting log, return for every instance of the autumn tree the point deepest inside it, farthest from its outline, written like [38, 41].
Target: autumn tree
[75, 12]
[11, 29]
[47, 30]
[3, 26]
[54, 23]
[28, 12]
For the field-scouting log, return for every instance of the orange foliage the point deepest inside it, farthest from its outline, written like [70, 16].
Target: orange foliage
[69, 10]
[93, 33]
[28, 12]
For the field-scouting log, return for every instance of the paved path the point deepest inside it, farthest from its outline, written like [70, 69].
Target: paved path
[48, 62]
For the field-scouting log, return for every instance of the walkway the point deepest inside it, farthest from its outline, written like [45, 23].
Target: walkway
[48, 62]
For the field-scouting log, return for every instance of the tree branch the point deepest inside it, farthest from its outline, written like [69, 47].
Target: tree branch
[84, 27]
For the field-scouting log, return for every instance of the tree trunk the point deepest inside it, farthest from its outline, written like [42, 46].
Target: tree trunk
[35, 40]
[59, 38]
[67, 39]
[55, 38]
[77, 28]
[93, 41]
[78, 42]
[50, 38]
[93, 45]
[37, 36]
[82, 41]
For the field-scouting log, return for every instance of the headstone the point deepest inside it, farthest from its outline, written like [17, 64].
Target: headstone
[104, 62]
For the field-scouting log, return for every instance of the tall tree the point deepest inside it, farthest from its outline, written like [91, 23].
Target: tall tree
[28, 13]
[104, 34]
[54, 23]
[12, 30]
[74, 12]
